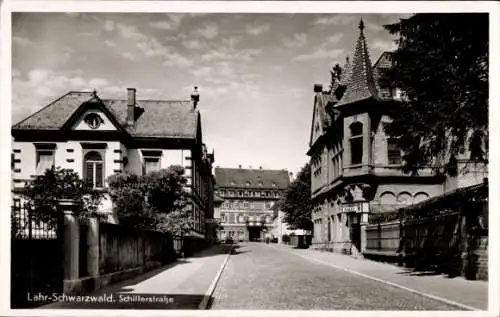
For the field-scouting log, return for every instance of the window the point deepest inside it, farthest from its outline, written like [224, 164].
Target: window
[356, 141]
[151, 162]
[393, 152]
[245, 205]
[268, 205]
[93, 169]
[44, 161]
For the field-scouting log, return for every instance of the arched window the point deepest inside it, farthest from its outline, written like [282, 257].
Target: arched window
[93, 169]
[356, 140]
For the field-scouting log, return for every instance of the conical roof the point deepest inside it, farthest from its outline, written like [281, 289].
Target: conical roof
[361, 85]
[346, 73]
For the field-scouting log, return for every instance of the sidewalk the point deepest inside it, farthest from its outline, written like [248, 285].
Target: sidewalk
[470, 294]
[179, 285]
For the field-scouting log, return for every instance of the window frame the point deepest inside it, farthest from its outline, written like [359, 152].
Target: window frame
[95, 163]
[356, 136]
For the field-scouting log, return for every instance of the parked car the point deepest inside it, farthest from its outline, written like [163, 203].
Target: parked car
[229, 240]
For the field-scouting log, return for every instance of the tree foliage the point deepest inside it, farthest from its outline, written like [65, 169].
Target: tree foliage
[441, 67]
[45, 191]
[296, 203]
[154, 201]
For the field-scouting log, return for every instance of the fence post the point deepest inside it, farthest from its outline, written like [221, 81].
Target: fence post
[93, 246]
[71, 242]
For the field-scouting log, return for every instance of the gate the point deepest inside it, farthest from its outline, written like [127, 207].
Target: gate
[36, 255]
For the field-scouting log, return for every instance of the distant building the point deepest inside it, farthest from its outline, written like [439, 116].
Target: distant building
[280, 228]
[99, 137]
[355, 165]
[249, 195]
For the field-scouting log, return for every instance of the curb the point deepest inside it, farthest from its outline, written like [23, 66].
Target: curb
[206, 298]
[434, 297]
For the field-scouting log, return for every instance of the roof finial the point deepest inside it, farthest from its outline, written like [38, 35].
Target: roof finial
[361, 25]
[347, 59]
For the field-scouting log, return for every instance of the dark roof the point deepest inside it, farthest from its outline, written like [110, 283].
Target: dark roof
[361, 85]
[238, 177]
[346, 73]
[383, 63]
[160, 118]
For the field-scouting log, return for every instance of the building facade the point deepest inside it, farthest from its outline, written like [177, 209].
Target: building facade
[280, 228]
[99, 137]
[355, 165]
[246, 213]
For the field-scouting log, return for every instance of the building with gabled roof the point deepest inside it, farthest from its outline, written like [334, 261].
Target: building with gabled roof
[248, 196]
[98, 137]
[355, 165]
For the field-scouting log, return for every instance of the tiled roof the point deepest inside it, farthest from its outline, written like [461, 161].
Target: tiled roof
[160, 118]
[53, 116]
[238, 177]
[384, 62]
[346, 73]
[361, 85]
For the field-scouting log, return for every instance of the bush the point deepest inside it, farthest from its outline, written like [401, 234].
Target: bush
[154, 201]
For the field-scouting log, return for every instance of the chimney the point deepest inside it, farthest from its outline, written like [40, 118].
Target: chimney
[291, 177]
[318, 88]
[239, 166]
[260, 167]
[130, 106]
[195, 97]
[250, 166]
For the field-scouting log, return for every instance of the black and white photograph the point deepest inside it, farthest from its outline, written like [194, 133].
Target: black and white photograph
[286, 158]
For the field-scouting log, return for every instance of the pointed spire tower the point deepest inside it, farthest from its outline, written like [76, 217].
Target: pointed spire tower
[359, 78]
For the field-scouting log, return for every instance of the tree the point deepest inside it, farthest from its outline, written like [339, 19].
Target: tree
[44, 193]
[154, 201]
[441, 67]
[296, 203]
[335, 75]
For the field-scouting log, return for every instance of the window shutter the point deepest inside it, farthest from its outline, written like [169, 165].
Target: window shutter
[98, 175]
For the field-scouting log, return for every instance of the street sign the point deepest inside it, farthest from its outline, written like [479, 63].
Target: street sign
[351, 208]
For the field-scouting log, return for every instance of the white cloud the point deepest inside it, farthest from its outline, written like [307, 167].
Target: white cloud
[298, 40]
[165, 25]
[37, 76]
[257, 29]
[339, 19]
[209, 31]
[152, 47]
[21, 41]
[129, 56]
[231, 42]
[176, 60]
[109, 25]
[243, 55]
[320, 53]
[130, 32]
[334, 39]
[384, 45]
[193, 44]
[110, 43]
[98, 82]
[202, 71]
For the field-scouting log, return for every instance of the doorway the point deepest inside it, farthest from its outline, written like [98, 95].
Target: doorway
[355, 230]
[254, 233]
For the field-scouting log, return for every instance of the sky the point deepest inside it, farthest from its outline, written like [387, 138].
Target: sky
[255, 72]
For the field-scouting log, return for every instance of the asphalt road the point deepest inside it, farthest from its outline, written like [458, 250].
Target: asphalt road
[259, 276]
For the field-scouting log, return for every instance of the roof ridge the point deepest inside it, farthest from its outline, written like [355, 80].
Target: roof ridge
[50, 104]
[361, 84]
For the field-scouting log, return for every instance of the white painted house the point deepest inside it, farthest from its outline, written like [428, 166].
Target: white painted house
[99, 137]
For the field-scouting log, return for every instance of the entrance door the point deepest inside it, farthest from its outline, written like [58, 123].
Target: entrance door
[254, 233]
[355, 232]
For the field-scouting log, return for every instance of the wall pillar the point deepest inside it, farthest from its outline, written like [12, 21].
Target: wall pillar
[71, 244]
[93, 247]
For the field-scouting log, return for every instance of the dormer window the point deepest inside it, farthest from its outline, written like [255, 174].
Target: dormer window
[274, 185]
[247, 183]
[261, 184]
[233, 183]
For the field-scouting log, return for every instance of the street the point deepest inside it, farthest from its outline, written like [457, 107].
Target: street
[260, 276]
